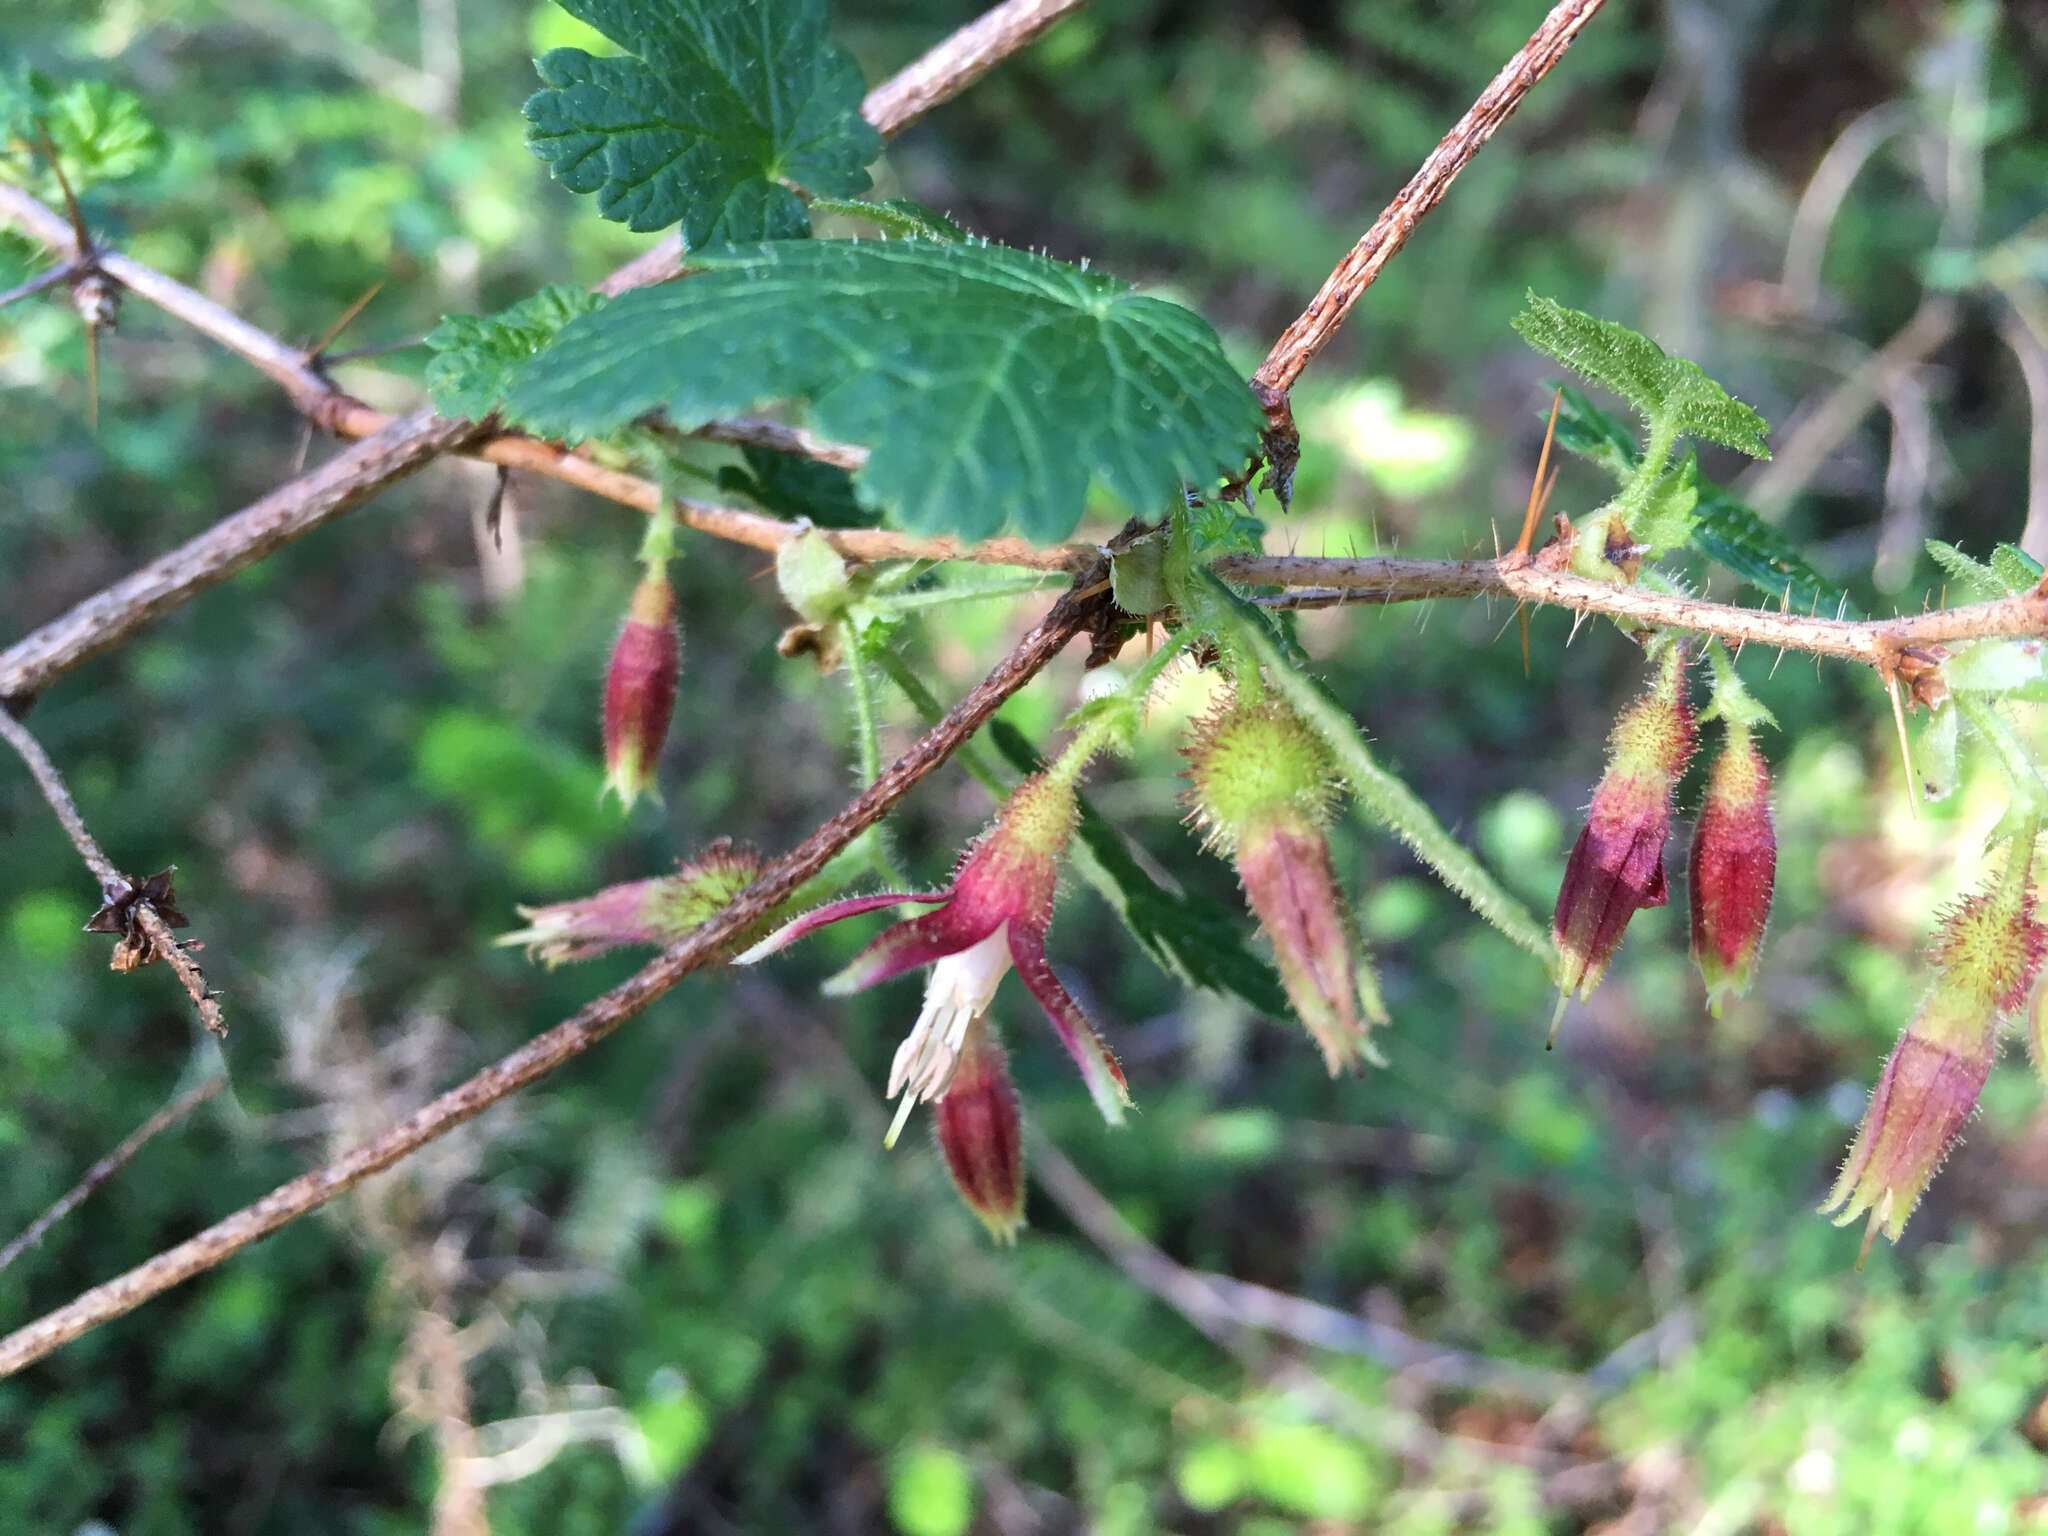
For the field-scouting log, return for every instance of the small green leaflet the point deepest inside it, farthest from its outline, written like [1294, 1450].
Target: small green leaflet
[475, 356]
[988, 384]
[1724, 528]
[1664, 388]
[2011, 571]
[100, 133]
[717, 104]
[1189, 935]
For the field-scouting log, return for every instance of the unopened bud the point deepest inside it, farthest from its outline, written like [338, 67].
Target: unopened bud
[1262, 789]
[1734, 865]
[640, 689]
[982, 1135]
[654, 912]
[1617, 865]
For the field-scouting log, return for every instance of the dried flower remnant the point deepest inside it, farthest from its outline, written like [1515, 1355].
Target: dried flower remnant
[1733, 869]
[981, 1133]
[640, 688]
[1262, 789]
[1986, 954]
[994, 915]
[1617, 865]
[654, 912]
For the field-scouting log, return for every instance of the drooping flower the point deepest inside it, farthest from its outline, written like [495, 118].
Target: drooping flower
[640, 688]
[654, 912]
[1734, 865]
[994, 916]
[1262, 789]
[981, 1133]
[1986, 955]
[1617, 866]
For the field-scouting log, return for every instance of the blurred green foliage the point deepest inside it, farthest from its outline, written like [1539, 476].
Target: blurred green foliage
[364, 752]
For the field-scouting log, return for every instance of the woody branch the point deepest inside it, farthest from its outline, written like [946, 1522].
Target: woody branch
[581, 1030]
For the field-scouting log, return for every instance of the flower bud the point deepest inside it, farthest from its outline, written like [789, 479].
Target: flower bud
[1734, 863]
[654, 912]
[1987, 953]
[1262, 789]
[640, 689]
[1617, 866]
[982, 1135]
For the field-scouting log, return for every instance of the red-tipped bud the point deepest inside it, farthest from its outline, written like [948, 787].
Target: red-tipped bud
[1261, 789]
[640, 689]
[1988, 951]
[652, 912]
[1617, 865]
[982, 1135]
[1734, 864]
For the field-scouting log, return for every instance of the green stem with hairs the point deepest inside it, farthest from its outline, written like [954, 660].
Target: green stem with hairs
[1383, 798]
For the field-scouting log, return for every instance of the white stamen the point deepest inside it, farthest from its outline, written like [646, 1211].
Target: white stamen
[959, 990]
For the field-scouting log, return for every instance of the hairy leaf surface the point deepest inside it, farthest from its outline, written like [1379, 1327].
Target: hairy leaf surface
[1664, 388]
[989, 384]
[716, 104]
[475, 356]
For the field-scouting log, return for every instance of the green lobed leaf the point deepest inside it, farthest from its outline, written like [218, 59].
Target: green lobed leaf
[713, 107]
[100, 133]
[2015, 568]
[475, 356]
[1666, 389]
[989, 384]
[1724, 528]
[1977, 581]
[1186, 933]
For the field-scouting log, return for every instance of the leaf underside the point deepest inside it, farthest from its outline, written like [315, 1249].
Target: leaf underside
[715, 105]
[989, 384]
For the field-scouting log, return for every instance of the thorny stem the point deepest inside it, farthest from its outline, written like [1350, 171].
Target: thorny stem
[574, 1035]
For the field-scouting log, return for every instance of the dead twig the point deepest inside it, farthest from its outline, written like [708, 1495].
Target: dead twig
[142, 913]
[110, 1165]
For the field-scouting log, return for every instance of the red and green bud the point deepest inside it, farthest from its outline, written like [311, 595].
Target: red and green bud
[981, 1133]
[1262, 789]
[1617, 866]
[654, 912]
[1987, 954]
[640, 688]
[1734, 865]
